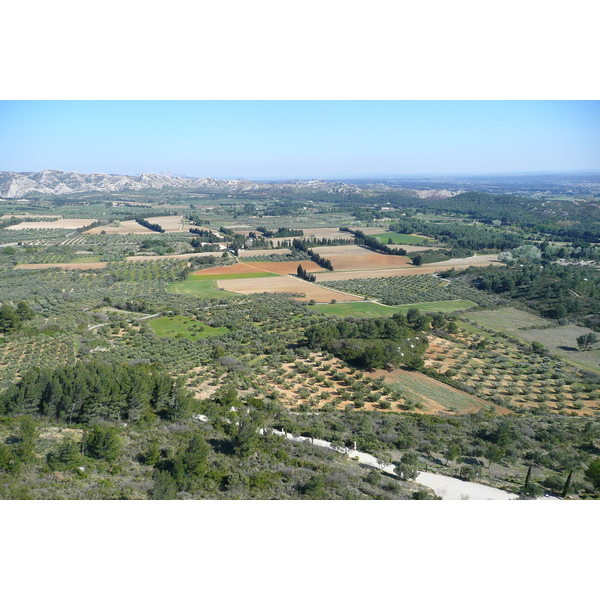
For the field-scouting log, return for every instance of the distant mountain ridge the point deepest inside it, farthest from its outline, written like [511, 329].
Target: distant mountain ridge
[53, 182]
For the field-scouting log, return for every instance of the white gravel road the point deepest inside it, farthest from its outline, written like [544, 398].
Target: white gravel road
[449, 488]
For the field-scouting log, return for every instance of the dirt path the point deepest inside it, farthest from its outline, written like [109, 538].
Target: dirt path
[448, 488]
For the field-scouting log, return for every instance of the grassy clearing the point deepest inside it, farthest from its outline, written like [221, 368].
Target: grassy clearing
[418, 388]
[199, 289]
[509, 320]
[214, 277]
[440, 306]
[357, 309]
[561, 341]
[183, 327]
[401, 238]
[370, 309]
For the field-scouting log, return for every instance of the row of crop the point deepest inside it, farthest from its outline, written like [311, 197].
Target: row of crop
[410, 289]
[21, 354]
[494, 368]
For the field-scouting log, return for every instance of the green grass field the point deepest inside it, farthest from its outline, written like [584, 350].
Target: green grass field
[416, 387]
[231, 276]
[509, 319]
[183, 327]
[401, 238]
[199, 289]
[561, 341]
[370, 309]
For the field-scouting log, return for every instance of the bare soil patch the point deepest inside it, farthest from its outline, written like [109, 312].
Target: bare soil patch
[58, 224]
[342, 276]
[286, 268]
[124, 228]
[237, 268]
[171, 224]
[171, 256]
[482, 260]
[347, 258]
[301, 290]
[265, 252]
[332, 233]
[68, 266]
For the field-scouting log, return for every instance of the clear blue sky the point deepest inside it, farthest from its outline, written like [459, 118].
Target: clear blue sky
[299, 139]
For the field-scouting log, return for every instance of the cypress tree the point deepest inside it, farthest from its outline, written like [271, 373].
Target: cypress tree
[565, 491]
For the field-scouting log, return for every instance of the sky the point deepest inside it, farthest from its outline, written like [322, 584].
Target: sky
[299, 139]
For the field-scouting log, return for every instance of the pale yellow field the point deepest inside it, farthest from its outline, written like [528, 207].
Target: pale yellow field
[124, 228]
[482, 260]
[171, 256]
[301, 289]
[326, 232]
[170, 224]
[58, 224]
[67, 266]
[344, 275]
[27, 216]
[265, 252]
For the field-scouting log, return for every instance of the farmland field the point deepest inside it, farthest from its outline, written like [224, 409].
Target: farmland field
[252, 275]
[67, 266]
[298, 288]
[374, 309]
[276, 268]
[369, 274]
[184, 327]
[238, 268]
[347, 258]
[482, 260]
[199, 289]
[401, 238]
[57, 224]
[57, 258]
[563, 342]
[124, 227]
[266, 252]
[435, 396]
[327, 232]
[171, 224]
[508, 319]
[171, 256]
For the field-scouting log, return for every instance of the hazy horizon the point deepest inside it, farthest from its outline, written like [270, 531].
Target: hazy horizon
[275, 140]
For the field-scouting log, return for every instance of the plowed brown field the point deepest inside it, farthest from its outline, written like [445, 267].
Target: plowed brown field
[287, 268]
[349, 258]
[237, 268]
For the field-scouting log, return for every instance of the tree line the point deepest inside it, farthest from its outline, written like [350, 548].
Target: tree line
[12, 318]
[148, 225]
[98, 390]
[373, 243]
[302, 246]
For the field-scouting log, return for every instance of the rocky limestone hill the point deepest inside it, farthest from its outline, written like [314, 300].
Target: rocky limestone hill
[53, 182]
